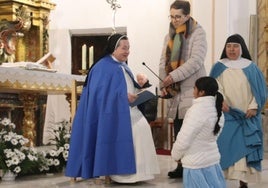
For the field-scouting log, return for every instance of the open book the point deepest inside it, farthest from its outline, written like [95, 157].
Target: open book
[43, 64]
[47, 60]
[143, 96]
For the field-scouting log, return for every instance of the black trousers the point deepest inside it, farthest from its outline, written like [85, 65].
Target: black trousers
[177, 126]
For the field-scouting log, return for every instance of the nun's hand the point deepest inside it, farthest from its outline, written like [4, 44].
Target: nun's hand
[225, 107]
[251, 112]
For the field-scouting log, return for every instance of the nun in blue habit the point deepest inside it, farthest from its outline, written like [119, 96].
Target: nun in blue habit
[109, 138]
[244, 88]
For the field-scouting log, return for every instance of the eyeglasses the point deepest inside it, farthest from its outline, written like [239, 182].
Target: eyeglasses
[176, 17]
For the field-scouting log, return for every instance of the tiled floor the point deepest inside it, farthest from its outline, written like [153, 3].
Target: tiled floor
[161, 180]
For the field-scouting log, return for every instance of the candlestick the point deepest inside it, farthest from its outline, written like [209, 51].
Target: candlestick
[83, 72]
[91, 56]
[84, 57]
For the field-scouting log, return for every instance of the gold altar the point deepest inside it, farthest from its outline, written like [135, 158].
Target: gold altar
[262, 12]
[24, 38]
[29, 84]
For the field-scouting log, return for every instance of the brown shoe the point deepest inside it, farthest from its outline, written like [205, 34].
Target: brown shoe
[108, 180]
[73, 180]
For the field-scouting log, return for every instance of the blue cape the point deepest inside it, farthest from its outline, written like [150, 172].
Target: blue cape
[101, 139]
[242, 137]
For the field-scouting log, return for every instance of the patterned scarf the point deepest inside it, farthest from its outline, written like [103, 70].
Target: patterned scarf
[174, 56]
[174, 48]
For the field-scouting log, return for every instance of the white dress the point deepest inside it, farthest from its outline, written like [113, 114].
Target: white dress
[145, 154]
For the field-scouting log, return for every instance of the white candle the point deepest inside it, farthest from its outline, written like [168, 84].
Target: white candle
[84, 57]
[91, 56]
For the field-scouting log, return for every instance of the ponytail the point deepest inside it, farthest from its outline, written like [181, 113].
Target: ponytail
[210, 86]
[219, 101]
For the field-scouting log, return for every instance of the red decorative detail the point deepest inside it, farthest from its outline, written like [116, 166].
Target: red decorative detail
[163, 152]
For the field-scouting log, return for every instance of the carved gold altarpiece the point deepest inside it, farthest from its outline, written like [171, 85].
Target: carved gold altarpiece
[34, 43]
[262, 11]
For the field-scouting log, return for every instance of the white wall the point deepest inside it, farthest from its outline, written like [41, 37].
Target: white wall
[202, 13]
[221, 19]
[239, 16]
[147, 23]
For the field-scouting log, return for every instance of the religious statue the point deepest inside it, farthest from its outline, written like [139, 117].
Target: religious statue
[10, 30]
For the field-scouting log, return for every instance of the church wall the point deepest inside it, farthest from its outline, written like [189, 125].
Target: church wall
[221, 19]
[146, 23]
[146, 26]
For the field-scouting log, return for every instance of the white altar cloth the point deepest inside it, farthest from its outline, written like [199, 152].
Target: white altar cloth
[16, 79]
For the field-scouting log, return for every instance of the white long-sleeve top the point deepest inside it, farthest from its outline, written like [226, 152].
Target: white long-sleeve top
[196, 144]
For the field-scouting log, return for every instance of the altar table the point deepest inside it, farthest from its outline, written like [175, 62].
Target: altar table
[29, 84]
